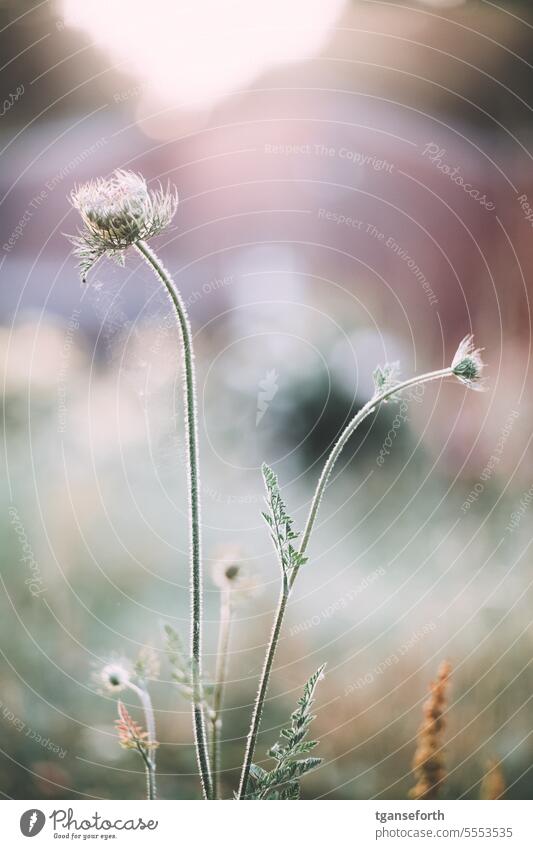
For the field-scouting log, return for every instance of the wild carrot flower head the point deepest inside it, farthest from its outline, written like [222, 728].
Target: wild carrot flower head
[467, 364]
[117, 213]
[114, 676]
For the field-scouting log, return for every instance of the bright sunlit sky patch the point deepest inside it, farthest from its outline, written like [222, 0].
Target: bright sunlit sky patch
[194, 53]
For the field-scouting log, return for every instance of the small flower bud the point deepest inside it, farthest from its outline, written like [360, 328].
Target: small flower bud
[385, 378]
[131, 735]
[467, 364]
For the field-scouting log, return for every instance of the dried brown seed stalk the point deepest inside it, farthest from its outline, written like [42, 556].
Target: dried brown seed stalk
[428, 762]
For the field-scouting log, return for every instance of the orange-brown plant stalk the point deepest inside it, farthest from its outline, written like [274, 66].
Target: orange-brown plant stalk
[493, 784]
[428, 762]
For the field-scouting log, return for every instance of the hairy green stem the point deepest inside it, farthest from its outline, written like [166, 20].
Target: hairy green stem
[151, 792]
[194, 510]
[226, 614]
[365, 411]
[261, 693]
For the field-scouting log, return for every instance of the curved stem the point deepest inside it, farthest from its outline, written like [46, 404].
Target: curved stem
[194, 509]
[261, 693]
[220, 681]
[148, 757]
[365, 411]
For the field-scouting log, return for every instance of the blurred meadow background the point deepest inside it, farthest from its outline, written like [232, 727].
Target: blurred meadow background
[355, 180]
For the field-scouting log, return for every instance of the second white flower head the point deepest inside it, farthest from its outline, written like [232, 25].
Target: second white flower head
[115, 677]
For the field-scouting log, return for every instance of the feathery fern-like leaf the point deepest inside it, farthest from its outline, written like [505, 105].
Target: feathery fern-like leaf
[180, 663]
[281, 527]
[182, 669]
[283, 781]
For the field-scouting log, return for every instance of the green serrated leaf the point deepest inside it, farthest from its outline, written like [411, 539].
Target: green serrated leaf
[281, 526]
[283, 781]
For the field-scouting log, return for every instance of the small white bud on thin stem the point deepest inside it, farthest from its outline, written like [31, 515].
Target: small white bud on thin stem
[467, 364]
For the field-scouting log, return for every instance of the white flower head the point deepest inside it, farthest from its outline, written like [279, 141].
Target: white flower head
[114, 676]
[467, 364]
[232, 576]
[117, 213]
